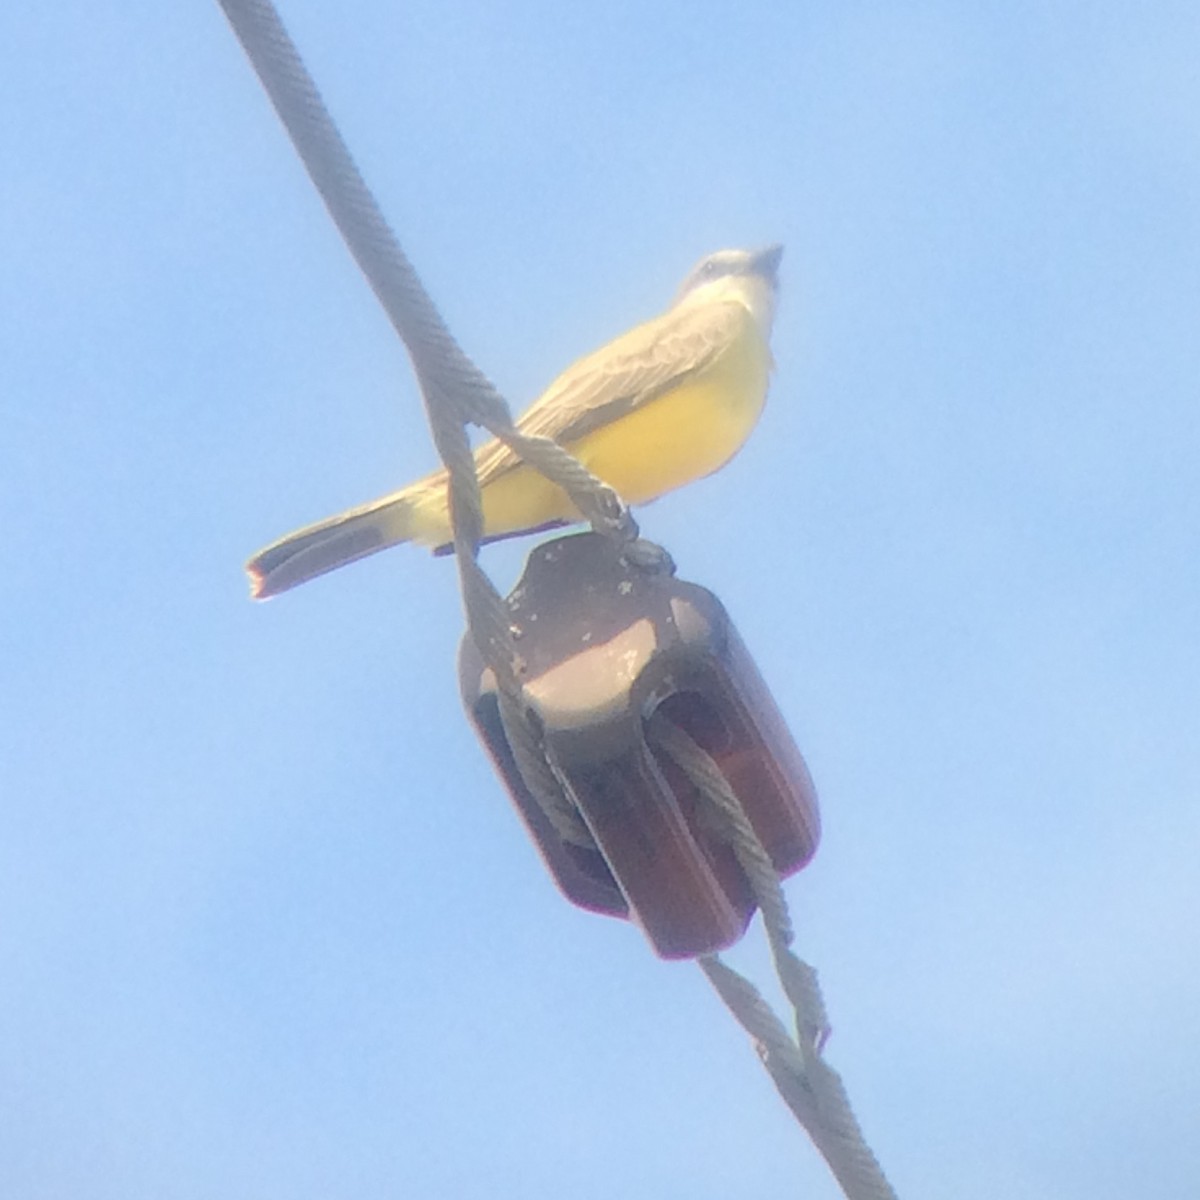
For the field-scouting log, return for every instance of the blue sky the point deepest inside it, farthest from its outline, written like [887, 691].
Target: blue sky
[268, 926]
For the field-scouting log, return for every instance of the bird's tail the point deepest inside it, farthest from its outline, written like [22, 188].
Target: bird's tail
[332, 543]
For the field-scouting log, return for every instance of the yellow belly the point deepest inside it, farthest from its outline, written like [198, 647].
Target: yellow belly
[682, 435]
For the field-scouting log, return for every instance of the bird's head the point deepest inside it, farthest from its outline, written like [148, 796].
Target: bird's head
[750, 276]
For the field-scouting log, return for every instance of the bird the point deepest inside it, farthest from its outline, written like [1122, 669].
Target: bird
[666, 403]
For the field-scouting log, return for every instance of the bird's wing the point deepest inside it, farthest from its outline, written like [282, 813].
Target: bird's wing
[620, 377]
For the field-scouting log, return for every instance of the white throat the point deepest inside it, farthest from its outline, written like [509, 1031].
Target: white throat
[751, 291]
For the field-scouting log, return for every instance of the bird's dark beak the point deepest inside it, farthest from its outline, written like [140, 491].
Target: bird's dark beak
[766, 261]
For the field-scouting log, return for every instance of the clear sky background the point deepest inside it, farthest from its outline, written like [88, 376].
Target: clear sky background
[268, 925]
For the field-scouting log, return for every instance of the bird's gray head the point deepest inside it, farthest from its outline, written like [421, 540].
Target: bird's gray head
[748, 277]
[759, 266]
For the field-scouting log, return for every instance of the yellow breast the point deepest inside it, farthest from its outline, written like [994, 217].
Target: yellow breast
[684, 434]
[689, 431]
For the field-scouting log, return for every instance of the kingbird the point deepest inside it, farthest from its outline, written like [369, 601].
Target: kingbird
[670, 401]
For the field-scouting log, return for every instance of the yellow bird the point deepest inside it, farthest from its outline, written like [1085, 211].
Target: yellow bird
[670, 401]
